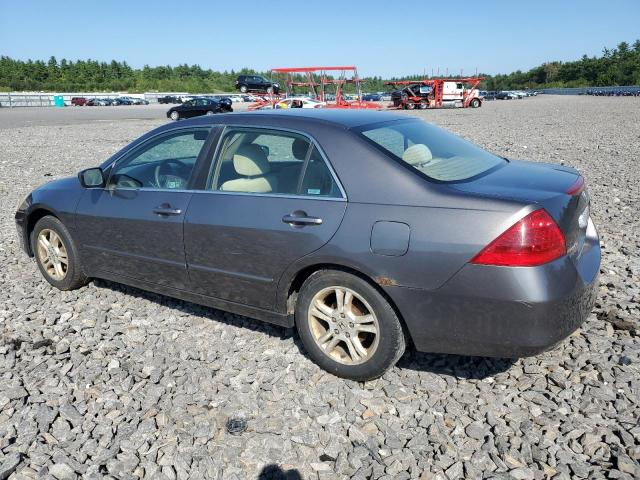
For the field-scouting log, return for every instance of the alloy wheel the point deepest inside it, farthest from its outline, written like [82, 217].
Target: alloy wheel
[343, 325]
[52, 254]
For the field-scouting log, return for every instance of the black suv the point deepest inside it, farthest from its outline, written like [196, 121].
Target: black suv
[256, 83]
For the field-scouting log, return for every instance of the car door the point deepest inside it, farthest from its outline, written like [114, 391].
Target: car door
[188, 109]
[133, 228]
[271, 198]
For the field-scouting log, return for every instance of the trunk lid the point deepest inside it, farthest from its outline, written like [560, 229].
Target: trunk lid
[540, 184]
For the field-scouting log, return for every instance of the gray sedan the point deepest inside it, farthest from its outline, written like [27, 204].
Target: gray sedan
[366, 231]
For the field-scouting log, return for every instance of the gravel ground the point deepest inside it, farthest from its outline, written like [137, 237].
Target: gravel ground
[112, 382]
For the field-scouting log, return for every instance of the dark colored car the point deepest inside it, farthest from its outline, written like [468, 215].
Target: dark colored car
[365, 230]
[121, 101]
[256, 83]
[200, 106]
[98, 102]
[503, 96]
[169, 99]
[78, 101]
[372, 97]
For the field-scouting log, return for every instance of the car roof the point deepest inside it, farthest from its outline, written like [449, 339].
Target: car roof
[340, 117]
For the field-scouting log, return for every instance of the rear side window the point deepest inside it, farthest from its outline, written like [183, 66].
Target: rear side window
[430, 150]
[261, 161]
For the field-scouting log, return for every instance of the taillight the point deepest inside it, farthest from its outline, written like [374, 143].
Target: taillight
[533, 240]
[577, 187]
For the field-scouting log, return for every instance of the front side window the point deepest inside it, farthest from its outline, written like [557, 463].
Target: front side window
[430, 150]
[165, 162]
[270, 162]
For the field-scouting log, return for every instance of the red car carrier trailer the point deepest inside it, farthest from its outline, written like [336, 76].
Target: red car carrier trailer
[436, 93]
[325, 84]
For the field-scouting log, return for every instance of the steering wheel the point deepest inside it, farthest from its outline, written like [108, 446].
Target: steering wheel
[169, 180]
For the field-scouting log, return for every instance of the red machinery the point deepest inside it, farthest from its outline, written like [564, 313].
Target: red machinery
[436, 93]
[316, 80]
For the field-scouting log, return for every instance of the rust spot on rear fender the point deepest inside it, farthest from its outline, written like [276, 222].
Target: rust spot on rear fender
[385, 281]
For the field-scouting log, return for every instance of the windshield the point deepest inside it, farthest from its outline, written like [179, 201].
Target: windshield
[430, 150]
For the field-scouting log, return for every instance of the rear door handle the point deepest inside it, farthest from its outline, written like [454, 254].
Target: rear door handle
[166, 210]
[299, 218]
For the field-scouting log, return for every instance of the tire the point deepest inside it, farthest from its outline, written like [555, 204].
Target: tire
[423, 106]
[382, 349]
[243, 89]
[210, 112]
[50, 227]
[410, 105]
[269, 89]
[175, 115]
[475, 103]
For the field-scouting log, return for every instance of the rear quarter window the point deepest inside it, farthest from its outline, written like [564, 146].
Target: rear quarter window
[429, 150]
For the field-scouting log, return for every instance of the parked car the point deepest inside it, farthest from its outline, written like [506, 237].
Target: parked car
[256, 83]
[139, 101]
[488, 95]
[298, 102]
[372, 97]
[199, 106]
[168, 99]
[78, 101]
[364, 230]
[98, 102]
[504, 96]
[121, 101]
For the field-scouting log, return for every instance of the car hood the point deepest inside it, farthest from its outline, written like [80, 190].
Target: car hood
[60, 184]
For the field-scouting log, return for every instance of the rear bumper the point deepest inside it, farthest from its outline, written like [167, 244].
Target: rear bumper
[503, 311]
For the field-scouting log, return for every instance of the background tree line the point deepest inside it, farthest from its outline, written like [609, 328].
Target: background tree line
[618, 66]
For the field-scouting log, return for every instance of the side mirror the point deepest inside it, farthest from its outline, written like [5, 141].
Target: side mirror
[92, 178]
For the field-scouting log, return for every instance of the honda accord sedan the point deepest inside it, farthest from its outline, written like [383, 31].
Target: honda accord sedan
[200, 106]
[367, 231]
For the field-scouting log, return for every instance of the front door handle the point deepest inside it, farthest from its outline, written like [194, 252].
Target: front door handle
[165, 209]
[300, 218]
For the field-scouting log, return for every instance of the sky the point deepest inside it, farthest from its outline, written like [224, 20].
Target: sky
[382, 38]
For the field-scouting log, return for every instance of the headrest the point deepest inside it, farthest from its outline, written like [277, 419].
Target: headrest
[250, 160]
[299, 148]
[417, 154]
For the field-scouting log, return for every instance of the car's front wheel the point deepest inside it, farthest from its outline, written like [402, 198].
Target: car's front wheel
[56, 254]
[243, 89]
[347, 326]
[175, 115]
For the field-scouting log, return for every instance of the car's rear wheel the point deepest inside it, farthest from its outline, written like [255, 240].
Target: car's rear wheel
[269, 89]
[244, 89]
[423, 106]
[56, 254]
[175, 115]
[210, 112]
[410, 105]
[347, 326]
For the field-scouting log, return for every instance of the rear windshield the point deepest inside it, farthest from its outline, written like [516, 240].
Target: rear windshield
[430, 150]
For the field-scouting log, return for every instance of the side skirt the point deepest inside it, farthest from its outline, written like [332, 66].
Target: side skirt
[281, 319]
